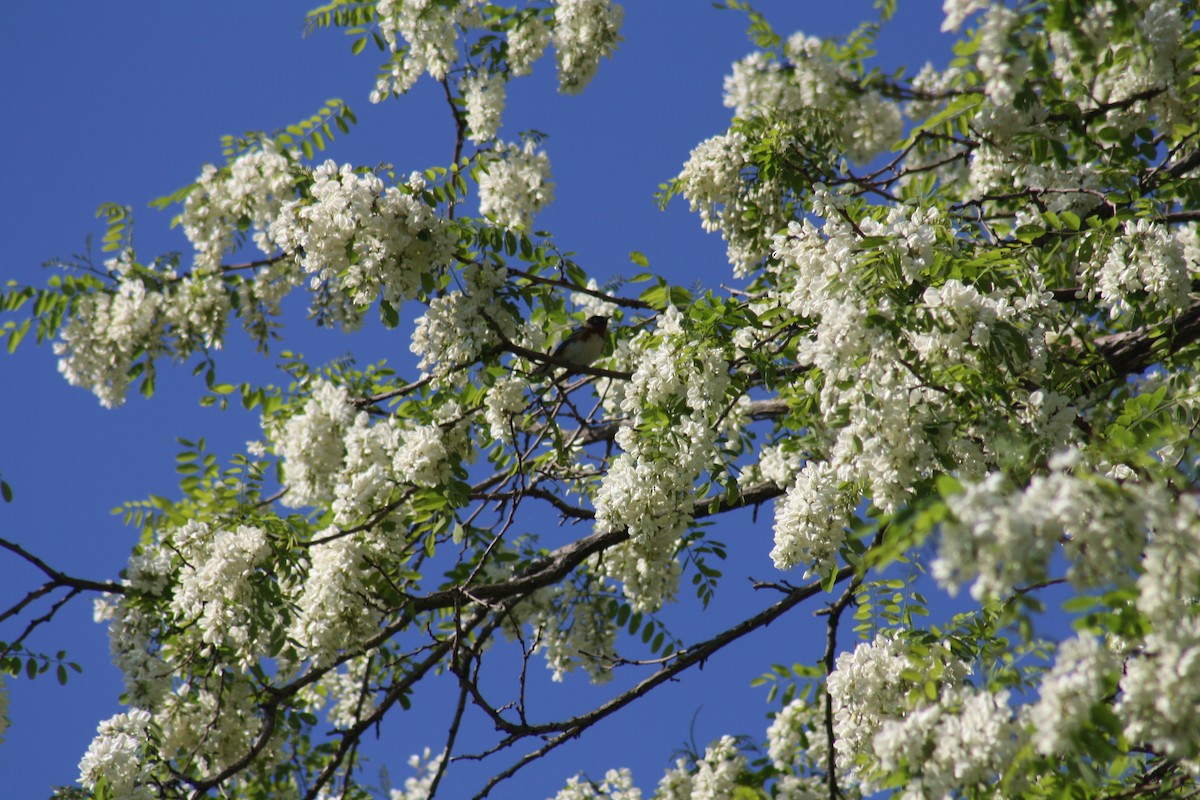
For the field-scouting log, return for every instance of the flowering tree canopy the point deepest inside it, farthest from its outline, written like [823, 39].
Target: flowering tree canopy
[958, 334]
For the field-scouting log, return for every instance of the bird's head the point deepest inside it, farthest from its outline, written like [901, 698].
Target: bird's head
[598, 324]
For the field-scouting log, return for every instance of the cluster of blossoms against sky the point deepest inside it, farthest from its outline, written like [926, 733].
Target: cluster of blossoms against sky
[907, 333]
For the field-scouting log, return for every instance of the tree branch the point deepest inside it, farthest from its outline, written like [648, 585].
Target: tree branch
[686, 659]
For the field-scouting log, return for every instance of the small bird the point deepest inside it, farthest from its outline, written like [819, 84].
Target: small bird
[581, 348]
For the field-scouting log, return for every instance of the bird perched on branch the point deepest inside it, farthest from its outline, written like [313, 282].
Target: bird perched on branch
[580, 349]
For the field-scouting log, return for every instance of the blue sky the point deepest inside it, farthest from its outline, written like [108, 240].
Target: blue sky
[124, 102]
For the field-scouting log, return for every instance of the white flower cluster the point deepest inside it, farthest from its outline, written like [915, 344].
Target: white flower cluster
[331, 614]
[1003, 67]
[1145, 260]
[359, 241]
[515, 185]
[867, 124]
[866, 687]
[107, 331]
[367, 473]
[422, 36]
[650, 488]
[423, 458]
[716, 180]
[1104, 63]
[430, 31]
[811, 519]
[966, 738]
[775, 465]
[211, 720]
[250, 194]
[715, 775]
[957, 11]
[311, 444]
[796, 738]
[617, 785]
[484, 93]
[458, 325]
[418, 786]
[345, 690]
[526, 43]
[214, 595]
[884, 423]
[878, 412]
[332, 452]
[591, 306]
[963, 320]
[1160, 690]
[1003, 539]
[573, 631]
[132, 632]
[1099, 62]
[504, 401]
[584, 32]
[118, 756]
[931, 81]
[195, 310]
[1078, 680]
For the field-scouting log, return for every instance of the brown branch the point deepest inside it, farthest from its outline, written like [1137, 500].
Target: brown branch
[624, 302]
[61, 578]
[768, 408]
[534, 355]
[1130, 352]
[460, 133]
[690, 657]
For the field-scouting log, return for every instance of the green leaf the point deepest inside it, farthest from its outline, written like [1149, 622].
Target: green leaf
[15, 337]
[389, 315]
[948, 486]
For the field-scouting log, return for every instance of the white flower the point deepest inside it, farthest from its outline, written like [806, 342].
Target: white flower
[714, 181]
[359, 241]
[311, 444]
[97, 347]
[252, 190]
[457, 327]
[422, 458]
[214, 596]
[810, 520]
[330, 612]
[866, 689]
[1068, 692]
[584, 32]
[796, 722]
[957, 11]
[649, 489]
[484, 94]
[417, 787]
[515, 185]
[617, 785]
[526, 43]
[760, 85]
[505, 400]
[1145, 259]
[965, 738]
[117, 755]
[430, 32]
